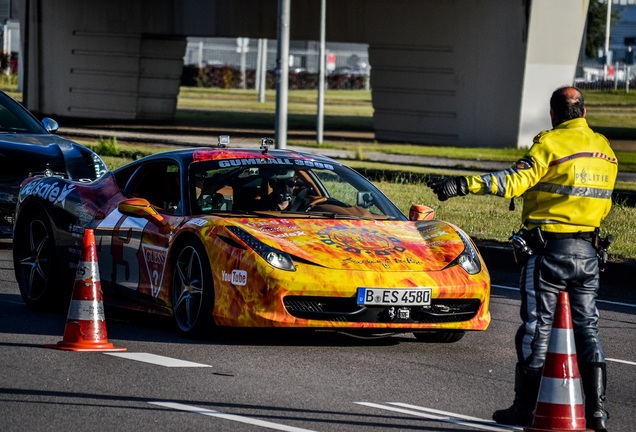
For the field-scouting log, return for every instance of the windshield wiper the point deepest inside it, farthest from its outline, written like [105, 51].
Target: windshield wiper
[334, 215]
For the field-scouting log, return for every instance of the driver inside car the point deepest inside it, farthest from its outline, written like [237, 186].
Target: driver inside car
[281, 196]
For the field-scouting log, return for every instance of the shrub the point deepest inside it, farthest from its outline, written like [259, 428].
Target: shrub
[107, 147]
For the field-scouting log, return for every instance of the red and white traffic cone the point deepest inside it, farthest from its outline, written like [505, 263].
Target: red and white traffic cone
[86, 323]
[560, 402]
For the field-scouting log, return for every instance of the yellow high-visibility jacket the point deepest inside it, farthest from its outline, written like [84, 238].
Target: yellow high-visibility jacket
[566, 179]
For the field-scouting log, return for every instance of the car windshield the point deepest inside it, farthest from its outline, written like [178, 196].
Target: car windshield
[297, 187]
[16, 119]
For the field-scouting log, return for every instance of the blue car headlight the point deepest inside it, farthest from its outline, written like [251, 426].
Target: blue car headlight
[99, 166]
[274, 257]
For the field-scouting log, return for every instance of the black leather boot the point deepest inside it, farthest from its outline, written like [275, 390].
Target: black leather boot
[594, 378]
[527, 381]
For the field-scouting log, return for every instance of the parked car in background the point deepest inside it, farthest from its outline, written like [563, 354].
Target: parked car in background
[231, 237]
[29, 146]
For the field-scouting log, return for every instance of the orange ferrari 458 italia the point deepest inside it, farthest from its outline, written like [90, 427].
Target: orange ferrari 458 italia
[252, 237]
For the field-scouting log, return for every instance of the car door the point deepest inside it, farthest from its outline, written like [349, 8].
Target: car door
[132, 250]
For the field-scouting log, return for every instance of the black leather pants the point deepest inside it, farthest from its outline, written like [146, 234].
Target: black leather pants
[564, 264]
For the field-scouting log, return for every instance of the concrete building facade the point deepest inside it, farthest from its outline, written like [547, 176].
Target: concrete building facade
[458, 72]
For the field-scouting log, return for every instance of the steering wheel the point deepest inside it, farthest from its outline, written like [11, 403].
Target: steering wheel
[302, 203]
[314, 202]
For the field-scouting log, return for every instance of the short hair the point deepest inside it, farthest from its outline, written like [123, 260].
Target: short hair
[567, 103]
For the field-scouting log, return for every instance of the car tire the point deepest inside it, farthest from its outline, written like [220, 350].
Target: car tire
[192, 290]
[35, 263]
[439, 336]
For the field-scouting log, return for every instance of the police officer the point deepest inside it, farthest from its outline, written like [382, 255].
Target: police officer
[566, 180]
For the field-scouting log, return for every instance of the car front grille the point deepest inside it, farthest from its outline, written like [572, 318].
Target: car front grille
[341, 309]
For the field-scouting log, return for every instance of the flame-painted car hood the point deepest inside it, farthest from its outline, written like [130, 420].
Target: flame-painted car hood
[361, 244]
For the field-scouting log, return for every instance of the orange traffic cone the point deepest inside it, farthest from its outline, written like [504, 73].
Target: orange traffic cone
[560, 402]
[86, 324]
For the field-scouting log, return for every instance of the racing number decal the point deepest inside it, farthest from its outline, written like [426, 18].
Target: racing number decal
[118, 249]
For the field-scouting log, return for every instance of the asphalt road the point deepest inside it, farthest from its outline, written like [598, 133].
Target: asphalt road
[259, 381]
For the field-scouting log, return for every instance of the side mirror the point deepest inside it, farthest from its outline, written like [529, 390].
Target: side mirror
[140, 207]
[419, 212]
[50, 124]
[365, 199]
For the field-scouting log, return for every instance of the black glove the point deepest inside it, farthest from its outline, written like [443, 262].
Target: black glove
[448, 187]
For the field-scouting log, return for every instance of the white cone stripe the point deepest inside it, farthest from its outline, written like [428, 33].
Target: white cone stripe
[87, 270]
[562, 341]
[86, 310]
[564, 391]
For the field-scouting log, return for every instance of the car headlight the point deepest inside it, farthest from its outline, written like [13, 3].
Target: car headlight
[469, 258]
[98, 165]
[274, 257]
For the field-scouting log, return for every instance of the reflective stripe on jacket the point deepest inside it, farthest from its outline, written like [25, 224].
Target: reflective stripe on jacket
[566, 179]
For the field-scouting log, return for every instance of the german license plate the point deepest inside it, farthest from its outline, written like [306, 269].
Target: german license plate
[394, 297]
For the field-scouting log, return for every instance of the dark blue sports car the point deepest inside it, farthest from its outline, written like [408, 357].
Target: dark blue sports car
[29, 146]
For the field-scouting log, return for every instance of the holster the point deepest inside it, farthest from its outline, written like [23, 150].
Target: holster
[526, 243]
[602, 244]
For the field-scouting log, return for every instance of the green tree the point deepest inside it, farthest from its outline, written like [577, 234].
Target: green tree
[595, 29]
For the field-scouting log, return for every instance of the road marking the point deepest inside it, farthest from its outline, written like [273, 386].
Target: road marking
[615, 303]
[621, 361]
[156, 359]
[443, 416]
[610, 302]
[17, 302]
[232, 417]
[505, 287]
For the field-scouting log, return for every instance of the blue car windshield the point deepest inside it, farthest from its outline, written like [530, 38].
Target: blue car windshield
[245, 186]
[16, 119]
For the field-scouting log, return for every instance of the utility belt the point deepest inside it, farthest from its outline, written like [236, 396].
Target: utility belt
[526, 243]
